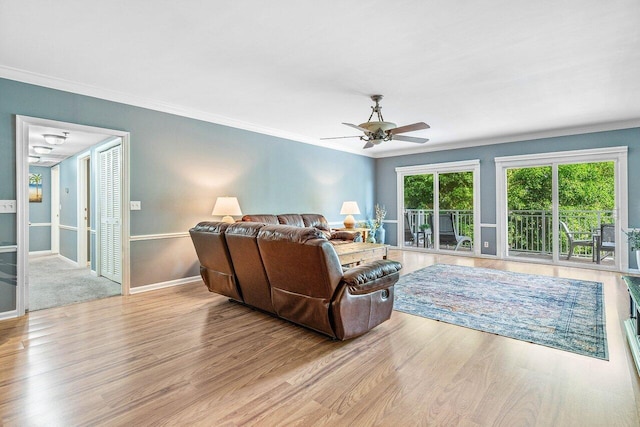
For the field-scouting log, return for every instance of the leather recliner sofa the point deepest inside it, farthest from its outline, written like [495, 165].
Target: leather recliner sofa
[317, 221]
[294, 273]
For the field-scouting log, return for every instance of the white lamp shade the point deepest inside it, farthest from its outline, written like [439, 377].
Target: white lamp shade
[226, 207]
[350, 208]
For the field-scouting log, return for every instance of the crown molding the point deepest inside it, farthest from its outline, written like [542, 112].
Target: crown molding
[551, 133]
[137, 101]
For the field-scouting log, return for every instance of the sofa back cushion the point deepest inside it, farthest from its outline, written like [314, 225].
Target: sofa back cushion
[252, 279]
[263, 218]
[316, 220]
[291, 219]
[216, 268]
[304, 272]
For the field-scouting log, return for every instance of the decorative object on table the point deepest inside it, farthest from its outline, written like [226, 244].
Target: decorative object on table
[633, 236]
[381, 214]
[35, 187]
[371, 227]
[226, 207]
[350, 209]
[358, 238]
[566, 314]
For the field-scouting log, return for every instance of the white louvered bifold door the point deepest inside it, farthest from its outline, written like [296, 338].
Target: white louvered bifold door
[110, 208]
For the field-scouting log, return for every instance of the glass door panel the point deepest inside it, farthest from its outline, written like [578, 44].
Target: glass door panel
[586, 210]
[418, 205]
[455, 197]
[529, 212]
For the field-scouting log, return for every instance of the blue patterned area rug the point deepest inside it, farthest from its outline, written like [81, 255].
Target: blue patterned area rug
[566, 314]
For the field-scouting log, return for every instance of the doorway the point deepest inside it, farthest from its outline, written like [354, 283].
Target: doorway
[563, 207]
[25, 127]
[439, 207]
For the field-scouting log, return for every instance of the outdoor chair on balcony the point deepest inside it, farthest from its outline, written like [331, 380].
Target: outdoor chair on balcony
[606, 241]
[409, 235]
[575, 239]
[448, 232]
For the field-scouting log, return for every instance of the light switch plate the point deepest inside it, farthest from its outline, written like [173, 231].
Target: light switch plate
[7, 206]
[136, 206]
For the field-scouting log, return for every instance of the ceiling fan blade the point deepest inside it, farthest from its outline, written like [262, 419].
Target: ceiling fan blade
[357, 127]
[409, 128]
[409, 139]
[369, 144]
[342, 137]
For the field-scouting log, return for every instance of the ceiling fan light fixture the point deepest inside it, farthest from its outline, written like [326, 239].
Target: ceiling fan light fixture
[55, 139]
[41, 149]
[34, 159]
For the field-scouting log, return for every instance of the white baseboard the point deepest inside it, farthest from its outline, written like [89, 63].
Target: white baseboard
[168, 284]
[40, 253]
[9, 314]
[68, 260]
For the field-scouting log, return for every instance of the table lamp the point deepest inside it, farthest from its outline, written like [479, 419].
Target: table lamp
[225, 207]
[349, 209]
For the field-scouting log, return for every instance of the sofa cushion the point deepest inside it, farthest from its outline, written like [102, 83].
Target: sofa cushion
[216, 268]
[315, 220]
[263, 218]
[252, 279]
[291, 219]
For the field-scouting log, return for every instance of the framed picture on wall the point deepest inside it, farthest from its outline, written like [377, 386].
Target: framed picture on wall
[35, 187]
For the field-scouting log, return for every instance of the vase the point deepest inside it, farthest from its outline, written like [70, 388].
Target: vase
[371, 238]
[380, 235]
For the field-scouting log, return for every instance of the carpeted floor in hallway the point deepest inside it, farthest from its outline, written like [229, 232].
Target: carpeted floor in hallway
[54, 282]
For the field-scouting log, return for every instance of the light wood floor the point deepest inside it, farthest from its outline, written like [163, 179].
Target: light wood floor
[183, 356]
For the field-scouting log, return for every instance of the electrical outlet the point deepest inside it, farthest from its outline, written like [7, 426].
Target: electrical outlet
[136, 206]
[486, 244]
[7, 206]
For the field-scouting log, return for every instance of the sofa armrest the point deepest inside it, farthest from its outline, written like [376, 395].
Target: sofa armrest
[371, 277]
[344, 235]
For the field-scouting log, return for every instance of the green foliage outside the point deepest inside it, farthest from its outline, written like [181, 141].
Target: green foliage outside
[582, 187]
[456, 191]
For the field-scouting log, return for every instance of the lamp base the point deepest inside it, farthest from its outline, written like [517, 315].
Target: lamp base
[349, 222]
[228, 218]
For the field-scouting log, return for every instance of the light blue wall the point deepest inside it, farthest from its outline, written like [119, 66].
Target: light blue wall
[40, 213]
[386, 175]
[178, 168]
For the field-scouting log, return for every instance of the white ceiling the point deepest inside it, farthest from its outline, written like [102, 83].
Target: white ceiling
[477, 71]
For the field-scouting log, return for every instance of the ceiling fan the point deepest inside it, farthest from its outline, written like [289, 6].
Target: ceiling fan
[378, 131]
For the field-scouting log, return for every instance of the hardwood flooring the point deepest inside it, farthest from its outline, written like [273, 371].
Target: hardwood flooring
[184, 356]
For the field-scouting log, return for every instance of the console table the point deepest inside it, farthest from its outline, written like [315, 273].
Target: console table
[357, 253]
[632, 325]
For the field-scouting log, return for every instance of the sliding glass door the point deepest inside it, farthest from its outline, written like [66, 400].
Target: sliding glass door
[563, 207]
[439, 200]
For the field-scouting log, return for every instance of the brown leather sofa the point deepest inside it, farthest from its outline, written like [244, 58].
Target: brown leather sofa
[294, 273]
[317, 221]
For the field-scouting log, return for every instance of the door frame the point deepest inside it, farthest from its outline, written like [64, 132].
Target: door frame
[618, 155]
[23, 123]
[436, 169]
[55, 209]
[83, 203]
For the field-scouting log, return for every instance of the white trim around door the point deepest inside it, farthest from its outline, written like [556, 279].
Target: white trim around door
[23, 123]
[436, 169]
[616, 154]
